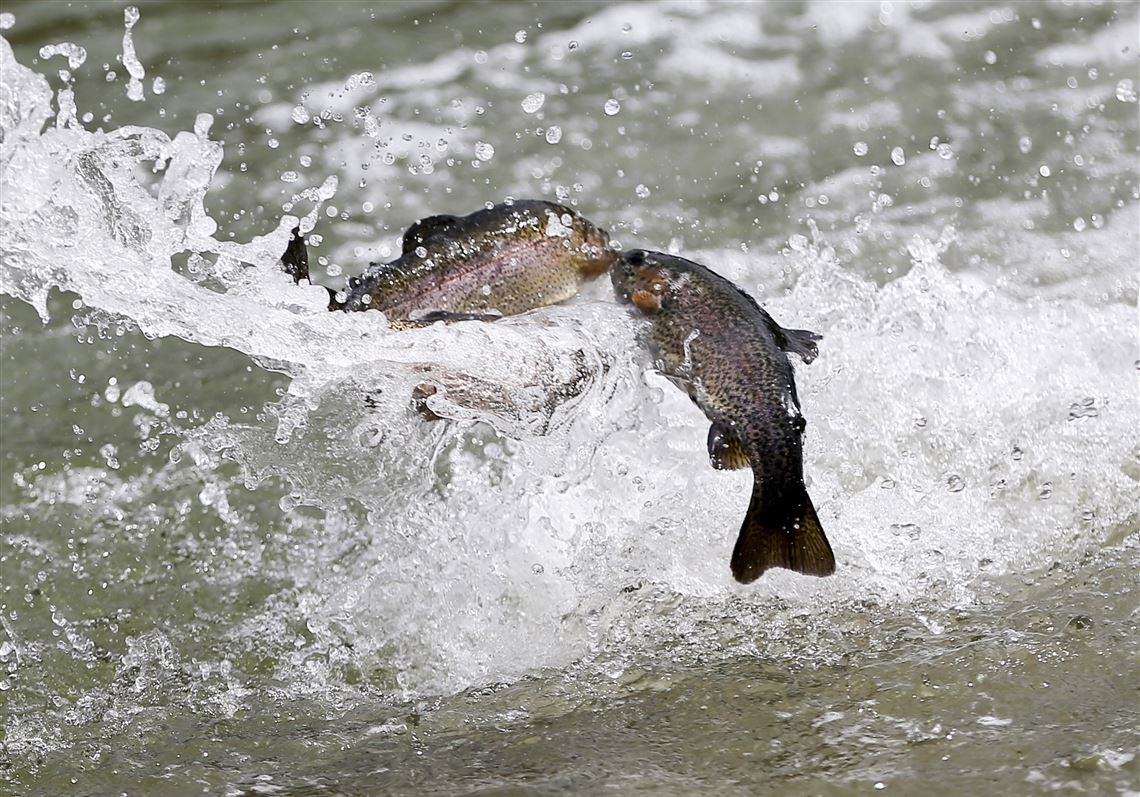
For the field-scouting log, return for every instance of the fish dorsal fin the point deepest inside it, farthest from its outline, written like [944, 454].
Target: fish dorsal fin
[725, 449]
[793, 341]
[424, 229]
[801, 342]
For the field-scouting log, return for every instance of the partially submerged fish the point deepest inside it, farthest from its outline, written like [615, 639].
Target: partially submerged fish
[501, 260]
[719, 345]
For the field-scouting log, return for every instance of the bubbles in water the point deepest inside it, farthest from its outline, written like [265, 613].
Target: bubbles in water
[573, 45]
[533, 102]
[484, 151]
[898, 157]
[7, 20]
[1045, 170]
[1125, 91]
[553, 134]
[612, 107]
[642, 191]
[289, 177]
[990, 57]
[1025, 144]
[860, 149]
[300, 114]
[520, 36]
[944, 151]
[158, 86]
[1079, 225]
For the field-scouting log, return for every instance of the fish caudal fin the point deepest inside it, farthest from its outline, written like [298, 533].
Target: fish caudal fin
[787, 535]
[295, 261]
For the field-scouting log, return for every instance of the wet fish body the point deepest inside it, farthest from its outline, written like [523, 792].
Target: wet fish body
[731, 357]
[501, 260]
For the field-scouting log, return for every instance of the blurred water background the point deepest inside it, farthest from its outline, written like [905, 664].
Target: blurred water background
[235, 561]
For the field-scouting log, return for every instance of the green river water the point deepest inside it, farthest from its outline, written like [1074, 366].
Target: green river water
[235, 561]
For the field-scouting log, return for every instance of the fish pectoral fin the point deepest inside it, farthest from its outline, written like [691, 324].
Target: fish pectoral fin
[431, 316]
[784, 532]
[646, 301]
[801, 342]
[424, 229]
[725, 449]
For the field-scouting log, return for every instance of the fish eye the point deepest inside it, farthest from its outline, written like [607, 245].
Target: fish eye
[636, 257]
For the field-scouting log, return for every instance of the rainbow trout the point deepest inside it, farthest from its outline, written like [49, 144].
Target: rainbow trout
[502, 260]
[719, 345]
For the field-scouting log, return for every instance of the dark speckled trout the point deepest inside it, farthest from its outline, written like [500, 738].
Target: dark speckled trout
[502, 260]
[719, 345]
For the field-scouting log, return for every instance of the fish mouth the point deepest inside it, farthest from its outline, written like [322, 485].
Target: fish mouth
[622, 272]
[600, 253]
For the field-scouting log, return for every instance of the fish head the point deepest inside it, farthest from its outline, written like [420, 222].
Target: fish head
[597, 254]
[647, 280]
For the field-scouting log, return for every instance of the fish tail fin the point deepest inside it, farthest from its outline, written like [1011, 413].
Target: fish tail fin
[787, 534]
[295, 261]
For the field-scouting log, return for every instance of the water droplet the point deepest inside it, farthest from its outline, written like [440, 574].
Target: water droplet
[537, 569]
[990, 57]
[484, 151]
[532, 102]
[520, 36]
[955, 483]
[1079, 225]
[553, 134]
[1025, 144]
[1125, 92]
[612, 107]
[273, 143]
[642, 191]
[860, 148]
[898, 157]
[300, 115]
[1045, 170]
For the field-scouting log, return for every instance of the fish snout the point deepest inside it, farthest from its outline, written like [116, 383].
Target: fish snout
[600, 255]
